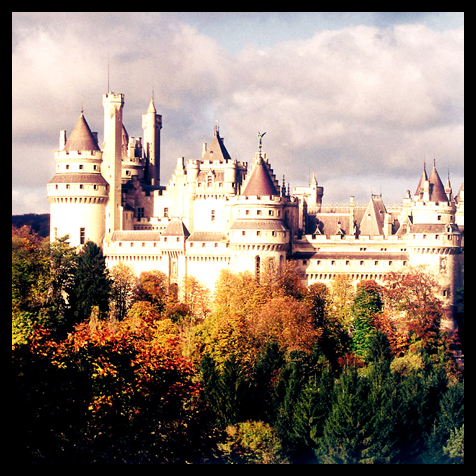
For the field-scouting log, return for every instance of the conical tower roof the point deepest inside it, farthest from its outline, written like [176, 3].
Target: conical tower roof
[422, 181]
[81, 137]
[260, 182]
[437, 190]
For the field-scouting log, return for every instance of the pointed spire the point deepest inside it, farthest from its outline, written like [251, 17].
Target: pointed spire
[421, 183]
[151, 107]
[81, 137]
[437, 191]
[448, 188]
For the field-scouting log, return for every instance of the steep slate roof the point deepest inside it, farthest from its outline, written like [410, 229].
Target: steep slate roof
[176, 228]
[354, 255]
[374, 217]
[77, 177]
[259, 182]
[81, 137]
[207, 236]
[458, 197]
[247, 224]
[422, 181]
[437, 190]
[216, 150]
[328, 223]
[136, 235]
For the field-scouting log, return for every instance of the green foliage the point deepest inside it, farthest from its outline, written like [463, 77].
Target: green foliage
[252, 442]
[136, 371]
[108, 395]
[455, 445]
[367, 303]
[91, 284]
[41, 272]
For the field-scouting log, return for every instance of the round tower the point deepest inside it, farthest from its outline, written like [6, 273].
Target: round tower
[78, 193]
[433, 238]
[260, 236]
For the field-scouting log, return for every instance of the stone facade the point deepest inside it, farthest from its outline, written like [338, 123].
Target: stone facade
[217, 212]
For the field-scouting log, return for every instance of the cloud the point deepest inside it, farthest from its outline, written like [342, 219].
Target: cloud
[351, 103]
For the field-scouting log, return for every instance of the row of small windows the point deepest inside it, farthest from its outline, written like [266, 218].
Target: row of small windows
[170, 239]
[258, 233]
[347, 262]
[81, 186]
[354, 276]
[80, 167]
[263, 213]
[437, 237]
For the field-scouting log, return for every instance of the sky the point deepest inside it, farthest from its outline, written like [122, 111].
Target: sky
[362, 99]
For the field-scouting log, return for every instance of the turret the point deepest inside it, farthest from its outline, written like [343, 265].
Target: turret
[152, 124]
[78, 193]
[112, 156]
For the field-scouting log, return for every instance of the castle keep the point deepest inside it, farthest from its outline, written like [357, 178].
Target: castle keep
[217, 212]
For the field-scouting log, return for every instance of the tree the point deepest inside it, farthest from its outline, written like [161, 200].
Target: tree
[288, 322]
[413, 308]
[455, 445]
[449, 419]
[317, 299]
[103, 395]
[196, 296]
[347, 425]
[91, 285]
[154, 288]
[367, 303]
[124, 284]
[41, 272]
[252, 442]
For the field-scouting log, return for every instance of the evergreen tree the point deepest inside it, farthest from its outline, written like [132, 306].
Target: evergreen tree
[367, 303]
[347, 426]
[449, 419]
[91, 284]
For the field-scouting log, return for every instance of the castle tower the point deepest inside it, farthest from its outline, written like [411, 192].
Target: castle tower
[112, 157]
[261, 233]
[78, 193]
[434, 239]
[152, 123]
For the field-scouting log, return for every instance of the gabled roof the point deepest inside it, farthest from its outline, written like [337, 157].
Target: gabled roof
[373, 220]
[176, 228]
[81, 137]
[216, 149]
[259, 182]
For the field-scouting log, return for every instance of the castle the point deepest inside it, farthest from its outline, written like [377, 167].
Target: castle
[217, 212]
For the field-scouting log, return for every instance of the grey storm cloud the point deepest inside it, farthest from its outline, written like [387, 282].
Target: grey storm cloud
[362, 105]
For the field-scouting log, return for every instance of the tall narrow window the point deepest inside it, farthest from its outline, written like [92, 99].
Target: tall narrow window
[82, 236]
[258, 267]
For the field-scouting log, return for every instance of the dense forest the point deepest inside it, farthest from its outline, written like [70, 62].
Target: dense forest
[109, 367]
